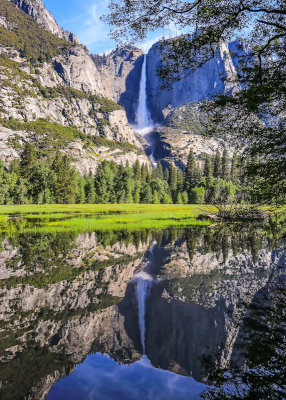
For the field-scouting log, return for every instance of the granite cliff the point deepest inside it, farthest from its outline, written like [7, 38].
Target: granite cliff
[179, 125]
[40, 14]
[57, 80]
[47, 78]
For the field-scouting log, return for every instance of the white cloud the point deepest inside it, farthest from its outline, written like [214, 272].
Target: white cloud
[93, 32]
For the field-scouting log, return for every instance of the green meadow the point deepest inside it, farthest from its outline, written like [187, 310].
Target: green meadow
[89, 217]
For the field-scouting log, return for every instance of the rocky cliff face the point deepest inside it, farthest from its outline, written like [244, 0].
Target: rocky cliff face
[120, 73]
[40, 14]
[66, 90]
[175, 109]
[194, 86]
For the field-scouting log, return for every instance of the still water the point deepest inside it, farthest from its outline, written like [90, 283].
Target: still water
[195, 313]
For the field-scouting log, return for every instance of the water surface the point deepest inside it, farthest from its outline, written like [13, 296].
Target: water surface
[178, 313]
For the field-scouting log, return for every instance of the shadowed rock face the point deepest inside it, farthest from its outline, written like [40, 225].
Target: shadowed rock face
[194, 86]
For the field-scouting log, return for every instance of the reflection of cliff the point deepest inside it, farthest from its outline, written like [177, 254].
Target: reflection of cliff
[195, 312]
[258, 363]
[80, 300]
[51, 314]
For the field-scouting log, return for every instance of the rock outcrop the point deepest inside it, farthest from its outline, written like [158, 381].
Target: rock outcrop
[66, 90]
[203, 83]
[120, 73]
[40, 14]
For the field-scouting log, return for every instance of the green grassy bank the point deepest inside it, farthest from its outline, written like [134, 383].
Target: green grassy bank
[88, 217]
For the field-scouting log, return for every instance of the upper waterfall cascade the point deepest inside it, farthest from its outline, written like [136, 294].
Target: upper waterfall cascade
[144, 123]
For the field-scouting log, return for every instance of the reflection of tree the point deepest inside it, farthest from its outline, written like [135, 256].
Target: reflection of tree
[258, 364]
[44, 249]
[234, 237]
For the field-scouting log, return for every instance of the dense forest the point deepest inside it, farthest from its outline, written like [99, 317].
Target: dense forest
[214, 180]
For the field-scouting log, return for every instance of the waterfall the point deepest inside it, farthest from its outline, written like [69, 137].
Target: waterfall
[144, 281]
[144, 123]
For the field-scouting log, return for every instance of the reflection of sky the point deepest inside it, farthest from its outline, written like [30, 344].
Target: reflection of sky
[101, 378]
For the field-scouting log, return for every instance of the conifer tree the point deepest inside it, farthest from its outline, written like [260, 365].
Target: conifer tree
[159, 171]
[172, 177]
[185, 197]
[179, 199]
[89, 189]
[217, 165]
[208, 172]
[137, 170]
[156, 197]
[189, 180]
[166, 175]
[64, 188]
[225, 172]
[234, 172]
[28, 161]
[144, 171]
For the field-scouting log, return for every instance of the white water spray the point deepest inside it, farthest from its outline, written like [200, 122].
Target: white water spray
[144, 123]
[144, 281]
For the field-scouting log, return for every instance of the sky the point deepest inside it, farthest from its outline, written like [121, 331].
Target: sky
[82, 17]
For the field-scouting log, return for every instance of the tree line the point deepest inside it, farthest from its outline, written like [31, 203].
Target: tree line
[215, 180]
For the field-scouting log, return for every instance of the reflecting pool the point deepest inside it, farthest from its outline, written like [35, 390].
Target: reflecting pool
[192, 313]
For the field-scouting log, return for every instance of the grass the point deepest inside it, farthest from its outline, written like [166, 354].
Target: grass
[90, 217]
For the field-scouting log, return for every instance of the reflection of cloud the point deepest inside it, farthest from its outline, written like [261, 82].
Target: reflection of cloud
[101, 378]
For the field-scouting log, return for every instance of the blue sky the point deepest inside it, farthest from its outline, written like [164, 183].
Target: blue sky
[82, 17]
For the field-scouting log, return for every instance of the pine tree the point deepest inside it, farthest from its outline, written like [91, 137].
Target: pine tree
[166, 175]
[225, 172]
[172, 177]
[28, 161]
[185, 198]
[217, 165]
[234, 172]
[89, 189]
[137, 170]
[146, 195]
[189, 181]
[156, 197]
[144, 171]
[179, 199]
[208, 172]
[137, 195]
[159, 171]
[167, 199]
[64, 188]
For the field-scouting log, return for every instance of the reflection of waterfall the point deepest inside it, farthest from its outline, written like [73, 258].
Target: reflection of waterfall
[144, 282]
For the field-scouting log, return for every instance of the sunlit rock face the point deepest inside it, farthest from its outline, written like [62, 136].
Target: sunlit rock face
[40, 14]
[120, 72]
